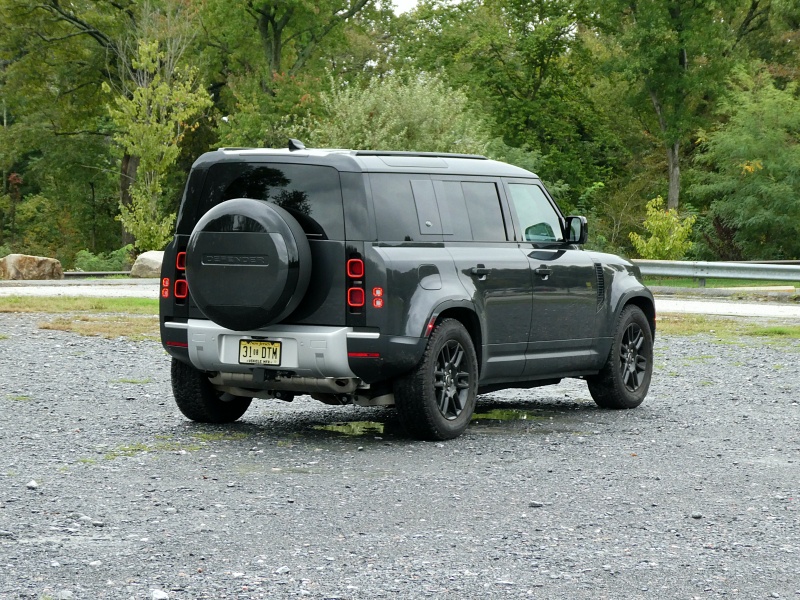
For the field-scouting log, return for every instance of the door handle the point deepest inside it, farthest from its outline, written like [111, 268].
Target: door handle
[543, 272]
[480, 270]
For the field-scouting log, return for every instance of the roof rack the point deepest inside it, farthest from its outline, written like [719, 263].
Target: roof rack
[417, 154]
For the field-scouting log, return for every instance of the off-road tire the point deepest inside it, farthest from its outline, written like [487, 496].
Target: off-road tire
[435, 401]
[199, 401]
[625, 378]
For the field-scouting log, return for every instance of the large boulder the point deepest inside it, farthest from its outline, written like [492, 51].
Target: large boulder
[148, 264]
[23, 266]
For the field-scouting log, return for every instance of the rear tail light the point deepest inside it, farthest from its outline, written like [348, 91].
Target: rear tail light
[355, 297]
[180, 261]
[165, 286]
[356, 294]
[355, 268]
[181, 289]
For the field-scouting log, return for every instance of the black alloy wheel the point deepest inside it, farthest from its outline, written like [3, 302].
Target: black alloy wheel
[633, 363]
[436, 399]
[625, 378]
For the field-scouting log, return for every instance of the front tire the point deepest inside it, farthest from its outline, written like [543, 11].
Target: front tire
[625, 378]
[199, 401]
[435, 401]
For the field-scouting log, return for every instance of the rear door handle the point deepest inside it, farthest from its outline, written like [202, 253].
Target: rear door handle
[480, 270]
[544, 272]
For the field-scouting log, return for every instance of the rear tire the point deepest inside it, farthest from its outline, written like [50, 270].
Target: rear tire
[199, 401]
[435, 401]
[625, 378]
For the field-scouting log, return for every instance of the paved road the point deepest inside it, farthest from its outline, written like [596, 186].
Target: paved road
[148, 288]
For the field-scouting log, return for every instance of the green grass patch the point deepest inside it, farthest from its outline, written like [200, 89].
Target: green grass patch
[18, 398]
[69, 304]
[3, 336]
[133, 381]
[690, 282]
[725, 328]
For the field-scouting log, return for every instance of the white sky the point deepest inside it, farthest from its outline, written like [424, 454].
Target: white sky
[402, 6]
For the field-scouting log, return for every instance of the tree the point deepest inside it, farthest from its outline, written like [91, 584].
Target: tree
[751, 176]
[678, 53]
[151, 121]
[400, 112]
[527, 66]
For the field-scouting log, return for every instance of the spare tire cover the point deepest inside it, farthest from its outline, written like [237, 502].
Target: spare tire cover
[248, 264]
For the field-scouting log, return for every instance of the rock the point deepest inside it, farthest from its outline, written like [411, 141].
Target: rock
[32, 485]
[159, 595]
[281, 570]
[697, 515]
[24, 266]
[148, 264]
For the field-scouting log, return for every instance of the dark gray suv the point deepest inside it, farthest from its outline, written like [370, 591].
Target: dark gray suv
[390, 278]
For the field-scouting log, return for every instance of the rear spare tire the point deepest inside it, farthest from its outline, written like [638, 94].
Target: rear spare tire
[248, 264]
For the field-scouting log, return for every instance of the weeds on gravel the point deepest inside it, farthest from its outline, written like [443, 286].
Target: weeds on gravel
[137, 328]
[222, 436]
[18, 398]
[132, 381]
[3, 336]
[130, 450]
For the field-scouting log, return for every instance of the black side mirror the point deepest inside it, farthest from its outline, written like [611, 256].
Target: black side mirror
[577, 230]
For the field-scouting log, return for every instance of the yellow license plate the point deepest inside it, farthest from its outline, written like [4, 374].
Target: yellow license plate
[256, 352]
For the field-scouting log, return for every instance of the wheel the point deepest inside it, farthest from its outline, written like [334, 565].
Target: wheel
[625, 378]
[248, 264]
[435, 401]
[199, 401]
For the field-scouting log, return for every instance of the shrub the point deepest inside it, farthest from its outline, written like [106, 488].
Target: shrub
[669, 233]
[118, 260]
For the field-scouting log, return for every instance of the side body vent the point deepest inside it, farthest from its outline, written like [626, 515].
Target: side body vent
[601, 286]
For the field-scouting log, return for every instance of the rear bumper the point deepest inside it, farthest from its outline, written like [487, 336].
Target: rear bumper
[317, 352]
[311, 352]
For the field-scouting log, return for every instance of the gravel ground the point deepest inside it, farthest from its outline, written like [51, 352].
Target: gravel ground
[106, 491]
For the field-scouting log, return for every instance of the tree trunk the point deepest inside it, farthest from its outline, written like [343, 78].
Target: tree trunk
[674, 168]
[673, 153]
[128, 169]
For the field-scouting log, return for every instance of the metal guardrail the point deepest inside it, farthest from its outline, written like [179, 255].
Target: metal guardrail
[720, 270]
[94, 274]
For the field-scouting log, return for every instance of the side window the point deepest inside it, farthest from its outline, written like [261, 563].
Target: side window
[453, 210]
[427, 212]
[485, 213]
[395, 212]
[538, 220]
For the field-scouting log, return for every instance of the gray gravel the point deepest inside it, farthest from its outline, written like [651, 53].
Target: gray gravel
[106, 491]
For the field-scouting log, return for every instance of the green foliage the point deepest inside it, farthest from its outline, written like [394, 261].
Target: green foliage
[400, 112]
[118, 260]
[751, 179]
[5, 250]
[670, 233]
[267, 120]
[527, 65]
[151, 124]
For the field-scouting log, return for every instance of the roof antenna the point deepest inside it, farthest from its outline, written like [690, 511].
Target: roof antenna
[296, 145]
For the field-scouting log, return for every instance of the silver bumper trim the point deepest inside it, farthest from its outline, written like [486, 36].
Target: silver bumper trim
[306, 351]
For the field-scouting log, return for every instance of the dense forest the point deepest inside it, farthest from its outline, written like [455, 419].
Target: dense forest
[651, 117]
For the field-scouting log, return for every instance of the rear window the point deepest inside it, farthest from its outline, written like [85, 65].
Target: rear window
[310, 193]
